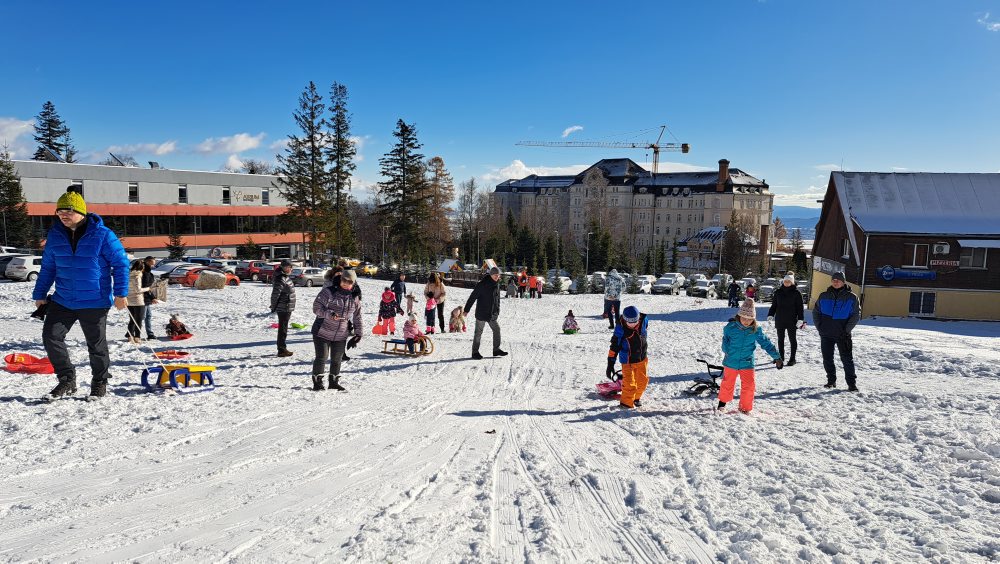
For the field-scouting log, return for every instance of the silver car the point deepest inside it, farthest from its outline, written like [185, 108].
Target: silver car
[308, 276]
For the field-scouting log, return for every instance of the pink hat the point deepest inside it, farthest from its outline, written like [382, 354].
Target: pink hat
[748, 310]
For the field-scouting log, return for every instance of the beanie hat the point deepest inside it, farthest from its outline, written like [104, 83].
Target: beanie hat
[349, 276]
[285, 263]
[72, 201]
[495, 270]
[748, 310]
[838, 276]
[388, 296]
[789, 278]
[631, 314]
[412, 317]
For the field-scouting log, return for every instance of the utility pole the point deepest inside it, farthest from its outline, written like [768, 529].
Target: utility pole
[479, 260]
[557, 253]
[587, 268]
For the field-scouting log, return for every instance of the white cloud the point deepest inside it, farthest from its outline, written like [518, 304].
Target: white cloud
[573, 128]
[233, 162]
[359, 144]
[278, 145]
[806, 199]
[11, 132]
[899, 169]
[828, 167]
[164, 148]
[985, 21]
[517, 169]
[666, 166]
[232, 144]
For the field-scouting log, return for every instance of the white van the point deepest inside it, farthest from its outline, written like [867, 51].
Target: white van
[24, 268]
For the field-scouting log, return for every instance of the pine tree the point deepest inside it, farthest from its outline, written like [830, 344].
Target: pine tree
[248, 250]
[799, 260]
[661, 256]
[175, 243]
[441, 189]
[304, 180]
[17, 231]
[673, 256]
[70, 155]
[50, 133]
[341, 150]
[404, 190]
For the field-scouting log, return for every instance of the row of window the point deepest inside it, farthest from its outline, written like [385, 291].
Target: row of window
[182, 193]
[139, 225]
[668, 203]
[917, 255]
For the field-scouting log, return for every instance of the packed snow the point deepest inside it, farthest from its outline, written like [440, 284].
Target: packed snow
[444, 459]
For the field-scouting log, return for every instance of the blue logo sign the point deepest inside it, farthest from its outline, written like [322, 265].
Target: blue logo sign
[889, 273]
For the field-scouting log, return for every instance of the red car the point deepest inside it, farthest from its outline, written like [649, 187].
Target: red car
[192, 275]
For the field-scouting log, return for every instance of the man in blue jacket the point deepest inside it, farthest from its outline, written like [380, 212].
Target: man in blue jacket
[88, 265]
[836, 313]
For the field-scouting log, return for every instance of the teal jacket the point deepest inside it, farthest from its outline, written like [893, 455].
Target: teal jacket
[739, 342]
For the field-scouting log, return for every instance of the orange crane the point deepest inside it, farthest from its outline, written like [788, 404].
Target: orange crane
[656, 146]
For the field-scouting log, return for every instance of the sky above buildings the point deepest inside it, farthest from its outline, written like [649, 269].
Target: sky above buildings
[786, 90]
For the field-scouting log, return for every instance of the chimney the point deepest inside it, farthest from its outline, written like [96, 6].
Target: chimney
[720, 186]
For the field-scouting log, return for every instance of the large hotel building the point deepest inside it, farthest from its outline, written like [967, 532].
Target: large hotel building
[143, 205]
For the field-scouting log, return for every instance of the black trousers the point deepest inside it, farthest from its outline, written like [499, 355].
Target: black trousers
[334, 350]
[283, 318]
[440, 307]
[58, 321]
[791, 340]
[846, 348]
[136, 315]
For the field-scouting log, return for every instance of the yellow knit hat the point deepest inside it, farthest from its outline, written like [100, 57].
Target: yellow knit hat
[72, 201]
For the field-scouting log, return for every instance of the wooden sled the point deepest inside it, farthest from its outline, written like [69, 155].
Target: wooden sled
[399, 346]
[182, 378]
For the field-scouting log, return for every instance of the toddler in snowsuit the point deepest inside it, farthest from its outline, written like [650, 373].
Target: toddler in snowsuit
[457, 322]
[511, 288]
[628, 343]
[387, 311]
[739, 340]
[429, 312]
[412, 334]
[569, 324]
[410, 298]
[175, 328]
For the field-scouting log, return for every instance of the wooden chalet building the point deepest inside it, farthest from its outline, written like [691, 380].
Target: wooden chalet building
[913, 244]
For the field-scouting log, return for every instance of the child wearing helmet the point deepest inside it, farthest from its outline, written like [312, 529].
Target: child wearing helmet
[628, 344]
[739, 341]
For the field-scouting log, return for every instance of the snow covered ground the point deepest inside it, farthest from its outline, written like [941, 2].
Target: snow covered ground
[506, 459]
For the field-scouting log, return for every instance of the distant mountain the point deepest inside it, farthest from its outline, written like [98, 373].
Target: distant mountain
[798, 217]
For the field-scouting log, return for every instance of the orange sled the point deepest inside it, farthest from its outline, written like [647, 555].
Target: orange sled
[171, 354]
[28, 364]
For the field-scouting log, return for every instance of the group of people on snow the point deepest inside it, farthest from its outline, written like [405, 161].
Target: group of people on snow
[82, 256]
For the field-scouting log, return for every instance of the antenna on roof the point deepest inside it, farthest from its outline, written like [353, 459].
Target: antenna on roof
[116, 159]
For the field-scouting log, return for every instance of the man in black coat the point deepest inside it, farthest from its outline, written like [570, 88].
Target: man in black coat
[836, 313]
[486, 296]
[399, 288]
[787, 312]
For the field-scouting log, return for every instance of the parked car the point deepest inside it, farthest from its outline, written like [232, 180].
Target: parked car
[568, 285]
[703, 289]
[803, 288]
[668, 284]
[677, 275]
[23, 268]
[225, 264]
[308, 276]
[204, 261]
[191, 276]
[5, 260]
[368, 269]
[597, 280]
[750, 281]
[694, 278]
[178, 274]
[722, 280]
[164, 269]
[766, 289]
[645, 286]
[254, 269]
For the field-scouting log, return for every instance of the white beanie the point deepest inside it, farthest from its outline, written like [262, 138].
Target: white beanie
[789, 278]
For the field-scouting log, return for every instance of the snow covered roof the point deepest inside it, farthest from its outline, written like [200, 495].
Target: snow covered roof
[922, 202]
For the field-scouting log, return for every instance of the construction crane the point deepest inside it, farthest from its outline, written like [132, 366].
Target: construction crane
[656, 146]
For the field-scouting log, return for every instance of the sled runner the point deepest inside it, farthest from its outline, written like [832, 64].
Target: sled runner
[399, 346]
[171, 354]
[28, 364]
[612, 388]
[709, 383]
[183, 378]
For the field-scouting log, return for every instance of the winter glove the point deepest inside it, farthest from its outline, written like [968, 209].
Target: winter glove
[770, 319]
[610, 372]
[353, 342]
[803, 325]
[778, 364]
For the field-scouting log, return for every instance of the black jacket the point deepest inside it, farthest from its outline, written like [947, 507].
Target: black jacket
[147, 281]
[836, 312]
[282, 293]
[399, 288]
[786, 307]
[486, 295]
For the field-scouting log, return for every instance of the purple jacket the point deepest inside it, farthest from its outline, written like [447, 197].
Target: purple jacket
[336, 306]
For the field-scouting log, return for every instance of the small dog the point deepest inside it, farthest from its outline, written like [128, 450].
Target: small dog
[457, 323]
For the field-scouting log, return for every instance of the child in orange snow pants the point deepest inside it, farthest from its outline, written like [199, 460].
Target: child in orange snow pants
[740, 338]
[634, 381]
[628, 344]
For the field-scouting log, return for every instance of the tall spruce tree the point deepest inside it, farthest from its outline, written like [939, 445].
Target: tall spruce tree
[70, 154]
[441, 193]
[17, 231]
[304, 180]
[50, 133]
[403, 193]
[341, 150]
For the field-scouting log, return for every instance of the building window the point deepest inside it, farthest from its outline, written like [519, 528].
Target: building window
[133, 192]
[150, 225]
[716, 219]
[915, 255]
[182, 194]
[922, 303]
[972, 258]
[76, 186]
[225, 196]
[845, 248]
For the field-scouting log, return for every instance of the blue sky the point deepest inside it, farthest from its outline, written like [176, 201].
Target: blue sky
[784, 89]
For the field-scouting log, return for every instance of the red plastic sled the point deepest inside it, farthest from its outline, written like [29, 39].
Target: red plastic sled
[171, 354]
[28, 364]
[181, 337]
[609, 389]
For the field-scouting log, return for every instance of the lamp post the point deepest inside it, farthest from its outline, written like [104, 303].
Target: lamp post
[384, 229]
[478, 259]
[557, 254]
[587, 268]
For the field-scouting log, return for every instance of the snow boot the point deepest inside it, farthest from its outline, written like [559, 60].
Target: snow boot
[476, 355]
[830, 385]
[63, 388]
[637, 403]
[852, 388]
[625, 406]
[284, 353]
[499, 352]
[98, 389]
[791, 362]
[318, 383]
[335, 384]
[721, 406]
